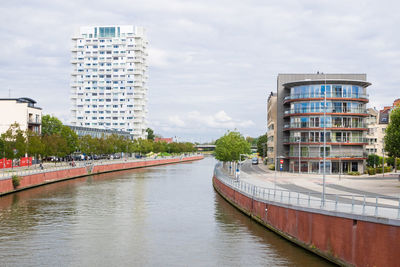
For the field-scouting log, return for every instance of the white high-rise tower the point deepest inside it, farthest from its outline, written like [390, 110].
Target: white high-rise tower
[109, 78]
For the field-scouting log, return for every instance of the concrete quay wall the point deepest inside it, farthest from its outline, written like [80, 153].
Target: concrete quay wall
[344, 241]
[33, 180]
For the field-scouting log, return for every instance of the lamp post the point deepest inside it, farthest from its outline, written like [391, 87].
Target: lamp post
[299, 140]
[383, 160]
[323, 173]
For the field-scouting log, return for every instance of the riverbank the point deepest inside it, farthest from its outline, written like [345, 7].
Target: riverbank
[34, 178]
[346, 231]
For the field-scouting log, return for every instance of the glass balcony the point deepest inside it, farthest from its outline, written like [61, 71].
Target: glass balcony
[329, 124]
[328, 95]
[328, 110]
[356, 140]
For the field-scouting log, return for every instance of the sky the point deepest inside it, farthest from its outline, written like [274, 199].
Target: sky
[212, 64]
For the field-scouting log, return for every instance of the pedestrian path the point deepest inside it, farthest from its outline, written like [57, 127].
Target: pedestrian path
[376, 198]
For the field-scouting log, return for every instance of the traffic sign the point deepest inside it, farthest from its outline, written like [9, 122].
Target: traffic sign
[281, 161]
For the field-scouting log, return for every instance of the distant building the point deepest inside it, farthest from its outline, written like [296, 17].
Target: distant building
[377, 123]
[301, 122]
[165, 140]
[108, 85]
[375, 133]
[271, 128]
[98, 133]
[22, 111]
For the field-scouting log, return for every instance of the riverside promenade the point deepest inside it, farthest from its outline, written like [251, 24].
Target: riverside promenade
[33, 176]
[356, 224]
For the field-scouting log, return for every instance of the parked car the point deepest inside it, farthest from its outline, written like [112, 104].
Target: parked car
[254, 161]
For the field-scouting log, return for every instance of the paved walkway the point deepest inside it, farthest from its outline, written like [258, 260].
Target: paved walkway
[362, 185]
[374, 197]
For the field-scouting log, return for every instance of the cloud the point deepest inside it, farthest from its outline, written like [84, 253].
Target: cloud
[176, 121]
[197, 120]
[212, 64]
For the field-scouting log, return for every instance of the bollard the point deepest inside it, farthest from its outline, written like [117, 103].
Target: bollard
[336, 200]
[352, 204]
[363, 211]
[398, 211]
[298, 198]
[281, 196]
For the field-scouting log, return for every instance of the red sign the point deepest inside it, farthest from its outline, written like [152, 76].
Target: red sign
[281, 161]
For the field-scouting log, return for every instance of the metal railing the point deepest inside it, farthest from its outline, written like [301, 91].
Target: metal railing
[329, 140]
[328, 95]
[35, 169]
[328, 110]
[320, 154]
[377, 206]
[329, 125]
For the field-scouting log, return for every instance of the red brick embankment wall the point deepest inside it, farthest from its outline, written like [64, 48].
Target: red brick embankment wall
[33, 180]
[341, 240]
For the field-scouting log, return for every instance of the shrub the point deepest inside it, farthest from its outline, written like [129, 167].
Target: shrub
[353, 173]
[271, 167]
[16, 180]
[387, 169]
[371, 171]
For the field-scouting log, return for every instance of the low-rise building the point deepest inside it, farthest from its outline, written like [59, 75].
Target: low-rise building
[22, 111]
[98, 133]
[377, 123]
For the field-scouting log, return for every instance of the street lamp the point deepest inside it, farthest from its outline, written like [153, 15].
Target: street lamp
[323, 173]
[299, 140]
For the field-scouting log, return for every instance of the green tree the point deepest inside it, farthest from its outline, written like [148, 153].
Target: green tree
[252, 140]
[71, 139]
[54, 145]
[35, 146]
[373, 160]
[51, 125]
[262, 145]
[14, 142]
[392, 137]
[230, 146]
[150, 134]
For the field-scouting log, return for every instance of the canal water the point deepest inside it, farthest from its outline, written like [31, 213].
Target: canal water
[161, 216]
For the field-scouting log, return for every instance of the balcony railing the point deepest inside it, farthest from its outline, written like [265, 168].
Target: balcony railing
[328, 110]
[329, 140]
[328, 95]
[341, 154]
[34, 121]
[329, 125]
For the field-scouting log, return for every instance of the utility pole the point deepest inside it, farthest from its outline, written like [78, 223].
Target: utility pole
[323, 173]
[299, 154]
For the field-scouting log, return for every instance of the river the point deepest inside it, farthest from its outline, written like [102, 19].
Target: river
[160, 216]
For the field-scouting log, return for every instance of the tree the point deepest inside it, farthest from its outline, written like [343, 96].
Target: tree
[150, 134]
[14, 142]
[252, 140]
[70, 137]
[373, 160]
[51, 125]
[262, 144]
[230, 146]
[35, 145]
[392, 137]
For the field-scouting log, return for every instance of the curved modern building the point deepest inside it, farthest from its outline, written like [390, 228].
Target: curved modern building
[322, 114]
